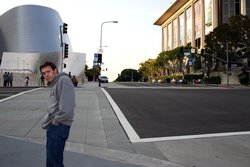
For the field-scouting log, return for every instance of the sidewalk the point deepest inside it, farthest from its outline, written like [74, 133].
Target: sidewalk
[97, 138]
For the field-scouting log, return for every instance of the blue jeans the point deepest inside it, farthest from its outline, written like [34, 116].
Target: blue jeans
[56, 138]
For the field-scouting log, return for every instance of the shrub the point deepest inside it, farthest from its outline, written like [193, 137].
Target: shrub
[213, 80]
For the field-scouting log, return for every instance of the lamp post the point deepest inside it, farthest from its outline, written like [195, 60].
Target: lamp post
[227, 66]
[100, 48]
[101, 31]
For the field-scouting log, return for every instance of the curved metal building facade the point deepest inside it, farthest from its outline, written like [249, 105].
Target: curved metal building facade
[34, 29]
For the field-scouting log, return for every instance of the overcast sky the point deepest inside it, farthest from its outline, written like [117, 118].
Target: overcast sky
[133, 40]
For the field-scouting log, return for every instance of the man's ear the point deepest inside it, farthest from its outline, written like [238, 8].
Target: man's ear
[56, 70]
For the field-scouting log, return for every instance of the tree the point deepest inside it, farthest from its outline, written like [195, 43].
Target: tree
[129, 75]
[173, 59]
[235, 34]
[91, 74]
[148, 69]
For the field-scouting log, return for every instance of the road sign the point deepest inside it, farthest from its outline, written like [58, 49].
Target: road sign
[187, 53]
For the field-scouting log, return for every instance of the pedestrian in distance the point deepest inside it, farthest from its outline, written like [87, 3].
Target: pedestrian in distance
[60, 113]
[10, 79]
[42, 80]
[5, 79]
[26, 80]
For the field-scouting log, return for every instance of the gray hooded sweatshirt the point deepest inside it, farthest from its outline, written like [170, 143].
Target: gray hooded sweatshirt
[61, 102]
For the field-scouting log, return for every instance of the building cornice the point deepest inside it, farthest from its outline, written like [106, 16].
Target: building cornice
[170, 11]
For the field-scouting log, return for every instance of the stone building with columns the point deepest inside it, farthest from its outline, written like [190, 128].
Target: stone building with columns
[186, 22]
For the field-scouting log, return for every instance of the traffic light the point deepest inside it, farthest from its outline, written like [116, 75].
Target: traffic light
[66, 50]
[65, 28]
[99, 60]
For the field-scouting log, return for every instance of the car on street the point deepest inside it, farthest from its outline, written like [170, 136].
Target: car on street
[103, 79]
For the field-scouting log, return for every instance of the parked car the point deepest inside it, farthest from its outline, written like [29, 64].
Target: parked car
[182, 81]
[103, 79]
[173, 81]
[197, 81]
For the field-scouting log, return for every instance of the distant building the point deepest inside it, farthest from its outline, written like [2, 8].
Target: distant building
[186, 22]
[30, 35]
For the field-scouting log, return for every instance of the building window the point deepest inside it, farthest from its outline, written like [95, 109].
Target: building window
[197, 20]
[225, 12]
[237, 7]
[198, 43]
[181, 29]
[208, 16]
[175, 33]
[248, 7]
[164, 43]
[189, 24]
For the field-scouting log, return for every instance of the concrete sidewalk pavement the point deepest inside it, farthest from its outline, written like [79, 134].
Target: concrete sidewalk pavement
[97, 138]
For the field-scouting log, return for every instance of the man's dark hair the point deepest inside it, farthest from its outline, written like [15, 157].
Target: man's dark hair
[48, 64]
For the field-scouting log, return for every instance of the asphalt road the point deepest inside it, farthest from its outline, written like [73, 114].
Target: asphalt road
[9, 91]
[175, 112]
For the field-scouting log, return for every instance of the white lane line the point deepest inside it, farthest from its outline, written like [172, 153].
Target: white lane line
[21, 93]
[132, 135]
[193, 136]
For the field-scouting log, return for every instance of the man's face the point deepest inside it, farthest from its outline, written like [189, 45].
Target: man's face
[48, 73]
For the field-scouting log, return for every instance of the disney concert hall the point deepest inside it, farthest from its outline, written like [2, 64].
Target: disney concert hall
[32, 34]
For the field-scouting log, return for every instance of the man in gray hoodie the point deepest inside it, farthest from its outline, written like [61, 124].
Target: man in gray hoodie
[60, 114]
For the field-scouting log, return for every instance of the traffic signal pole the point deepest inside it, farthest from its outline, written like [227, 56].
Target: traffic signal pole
[61, 47]
[64, 46]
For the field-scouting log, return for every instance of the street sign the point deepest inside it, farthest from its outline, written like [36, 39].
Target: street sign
[187, 54]
[190, 59]
[192, 50]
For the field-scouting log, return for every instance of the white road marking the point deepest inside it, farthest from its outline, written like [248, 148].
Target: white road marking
[131, 133]
[193, 136]
[19, 94]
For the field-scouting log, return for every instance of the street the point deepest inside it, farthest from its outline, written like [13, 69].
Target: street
[175, 112]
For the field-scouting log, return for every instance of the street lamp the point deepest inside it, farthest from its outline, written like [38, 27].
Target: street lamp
[101, 30]
[100, 48]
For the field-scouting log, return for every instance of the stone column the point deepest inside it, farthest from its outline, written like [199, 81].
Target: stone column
[243, 8]
[215, 14]
[178, 31]
[193, 27]
[202, 24]
[185, 29]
